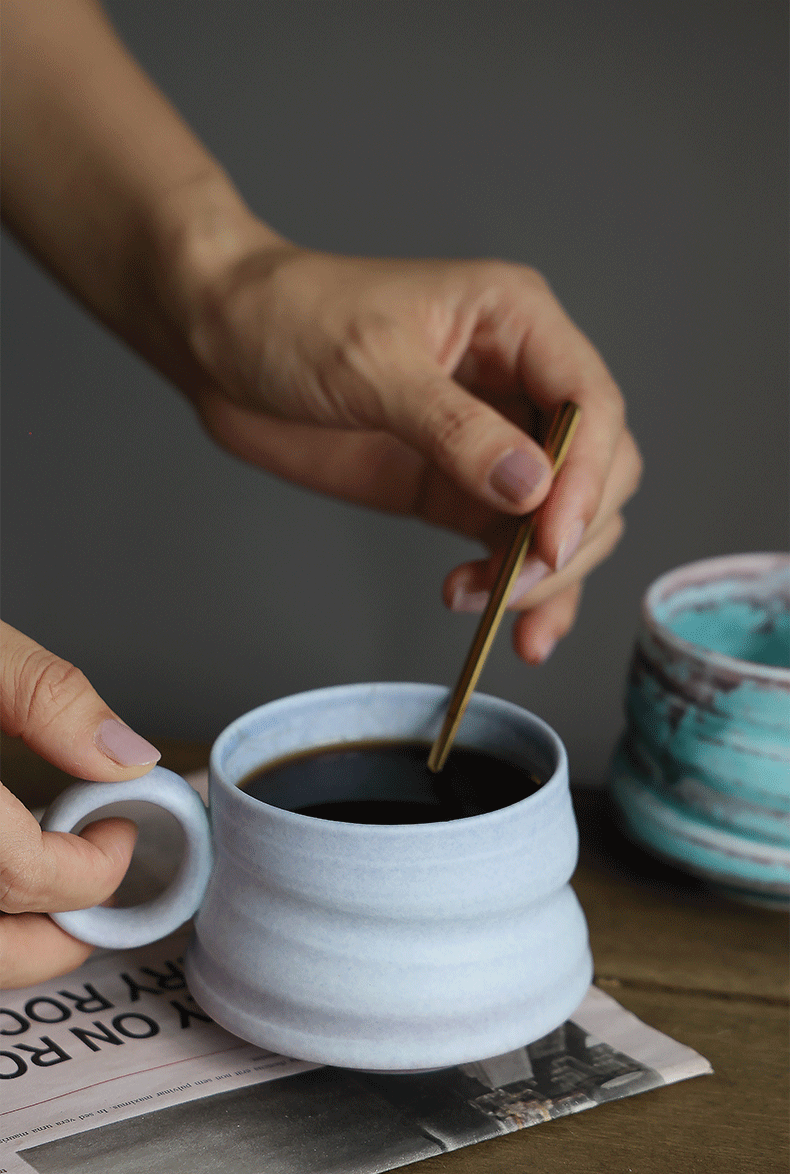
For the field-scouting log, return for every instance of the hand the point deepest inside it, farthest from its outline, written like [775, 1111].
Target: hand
[53, 708]
[417, 387]
[411, 386]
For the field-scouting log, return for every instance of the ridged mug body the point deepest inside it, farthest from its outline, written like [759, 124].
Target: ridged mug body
[702, 771]
[395, 947]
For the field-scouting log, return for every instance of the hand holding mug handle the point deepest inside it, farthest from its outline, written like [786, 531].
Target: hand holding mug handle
[116, 928]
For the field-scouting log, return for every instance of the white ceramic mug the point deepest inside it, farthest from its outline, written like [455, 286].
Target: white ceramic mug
[383, 947]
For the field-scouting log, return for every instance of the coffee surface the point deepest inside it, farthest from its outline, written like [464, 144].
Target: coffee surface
[390, 783]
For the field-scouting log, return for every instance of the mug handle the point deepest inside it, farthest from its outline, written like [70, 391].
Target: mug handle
[124, 928]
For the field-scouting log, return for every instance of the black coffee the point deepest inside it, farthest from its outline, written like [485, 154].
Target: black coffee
[390, 783]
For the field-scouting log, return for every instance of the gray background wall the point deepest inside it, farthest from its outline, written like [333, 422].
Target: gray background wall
[635, 153]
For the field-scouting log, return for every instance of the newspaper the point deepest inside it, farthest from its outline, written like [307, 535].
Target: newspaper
[116, 1067]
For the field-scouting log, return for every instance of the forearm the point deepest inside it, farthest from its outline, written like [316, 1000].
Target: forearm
[105, 183]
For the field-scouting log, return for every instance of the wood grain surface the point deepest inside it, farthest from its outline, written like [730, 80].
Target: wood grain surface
[709, 973]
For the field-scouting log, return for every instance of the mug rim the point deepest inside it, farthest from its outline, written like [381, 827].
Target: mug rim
[721, 568]
[559, 778]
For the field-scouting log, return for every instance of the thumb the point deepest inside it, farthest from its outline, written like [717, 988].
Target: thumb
[476, 446]
[53, 707]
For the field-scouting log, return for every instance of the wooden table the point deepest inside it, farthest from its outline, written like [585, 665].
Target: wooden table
[711, 974]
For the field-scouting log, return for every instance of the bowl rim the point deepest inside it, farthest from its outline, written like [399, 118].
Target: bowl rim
[710, 570]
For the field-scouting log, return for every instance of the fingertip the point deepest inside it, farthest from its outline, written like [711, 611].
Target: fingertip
[52, 706]
[122, 746]
[468, 588]
[473, 443]
[79, 871]
[453, 585]
[532, 642]
[542, 648]
[569, 542]
[563, 521]
[115, 838]
[537, 633]
[465, 584]
[516, 479]
[596, 475]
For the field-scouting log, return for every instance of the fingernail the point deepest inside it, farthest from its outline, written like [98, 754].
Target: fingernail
[530, 574]
[543, 650]
[465, 600]
[517, 475]
[123, 746]
[569, 544]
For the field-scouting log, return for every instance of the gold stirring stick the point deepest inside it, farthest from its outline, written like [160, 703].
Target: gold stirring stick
[558, 442]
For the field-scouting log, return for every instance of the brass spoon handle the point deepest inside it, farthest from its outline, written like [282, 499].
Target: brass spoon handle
[558, 442]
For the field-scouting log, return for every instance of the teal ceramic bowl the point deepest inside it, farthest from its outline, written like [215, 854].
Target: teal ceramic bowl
[701, 775]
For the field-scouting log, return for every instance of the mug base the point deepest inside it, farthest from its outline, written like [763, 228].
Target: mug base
[739, 867]
[381, 1057]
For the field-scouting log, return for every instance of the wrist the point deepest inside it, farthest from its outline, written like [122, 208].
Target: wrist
[204, 235]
